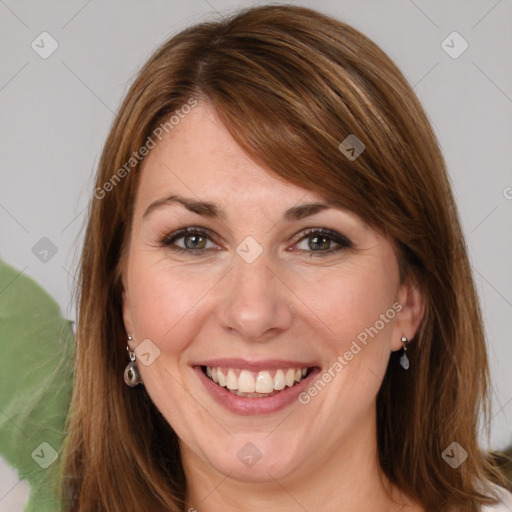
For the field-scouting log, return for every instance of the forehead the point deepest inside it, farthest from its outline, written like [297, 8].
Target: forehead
[199, 157]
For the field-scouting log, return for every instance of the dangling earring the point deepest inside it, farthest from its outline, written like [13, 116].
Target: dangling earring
[131, 373]
[404, 360]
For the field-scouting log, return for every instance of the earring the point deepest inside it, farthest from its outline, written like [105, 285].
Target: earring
[131, 373]
[404, 360]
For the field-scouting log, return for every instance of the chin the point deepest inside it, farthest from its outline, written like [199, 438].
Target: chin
[248, 461]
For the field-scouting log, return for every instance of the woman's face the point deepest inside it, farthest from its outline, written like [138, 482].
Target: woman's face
[254, 293]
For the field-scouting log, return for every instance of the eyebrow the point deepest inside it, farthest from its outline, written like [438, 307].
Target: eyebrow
[208, 209]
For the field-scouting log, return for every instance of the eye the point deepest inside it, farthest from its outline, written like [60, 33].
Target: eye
[320, 241]
[188, 240]
[197, 241]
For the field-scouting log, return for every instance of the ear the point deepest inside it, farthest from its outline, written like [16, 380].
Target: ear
[409, 318]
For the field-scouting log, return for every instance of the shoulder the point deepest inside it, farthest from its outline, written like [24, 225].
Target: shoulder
[506, 502]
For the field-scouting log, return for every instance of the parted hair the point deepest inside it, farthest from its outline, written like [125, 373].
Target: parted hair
[290, 84]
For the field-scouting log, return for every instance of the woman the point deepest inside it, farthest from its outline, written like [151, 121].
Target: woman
[274, 262]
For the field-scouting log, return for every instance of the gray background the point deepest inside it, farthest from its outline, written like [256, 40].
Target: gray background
[56, 112]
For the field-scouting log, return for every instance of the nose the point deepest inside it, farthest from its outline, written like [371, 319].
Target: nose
[256, 302]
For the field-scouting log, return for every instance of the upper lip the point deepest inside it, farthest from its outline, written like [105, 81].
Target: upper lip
[262, 364]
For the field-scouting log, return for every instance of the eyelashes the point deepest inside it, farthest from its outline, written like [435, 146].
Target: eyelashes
[186, 232]
[196, 240]
[319, 236]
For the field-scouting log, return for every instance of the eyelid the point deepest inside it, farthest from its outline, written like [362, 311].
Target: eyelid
[182, 231]
[334, 235]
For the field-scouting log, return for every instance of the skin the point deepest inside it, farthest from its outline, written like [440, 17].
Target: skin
[289, 303]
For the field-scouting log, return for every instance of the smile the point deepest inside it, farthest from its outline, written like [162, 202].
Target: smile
[248, 387]
[255, 384]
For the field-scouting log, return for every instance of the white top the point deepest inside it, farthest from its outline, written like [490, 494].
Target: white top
[504, 506]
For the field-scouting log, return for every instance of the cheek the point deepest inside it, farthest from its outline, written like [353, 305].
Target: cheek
[162, 298]
[353, 303]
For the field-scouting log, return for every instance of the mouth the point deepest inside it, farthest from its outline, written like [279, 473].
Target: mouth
[256, 384]
[255, 388]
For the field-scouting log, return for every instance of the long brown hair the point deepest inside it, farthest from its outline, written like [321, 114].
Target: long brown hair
[290, 84]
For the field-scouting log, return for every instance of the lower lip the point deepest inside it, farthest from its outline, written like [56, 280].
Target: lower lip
[262, 405]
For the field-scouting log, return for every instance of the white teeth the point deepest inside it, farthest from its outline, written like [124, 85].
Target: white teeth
[264, 383]
[255, 384]
[246, 382]
[279, 380]
[290, 377]
[231, 380]
[221, 377]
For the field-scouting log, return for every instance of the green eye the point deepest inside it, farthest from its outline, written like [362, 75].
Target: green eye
[194, 240]
[319, 242]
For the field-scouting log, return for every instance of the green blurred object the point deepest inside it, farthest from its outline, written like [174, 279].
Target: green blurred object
[37, 346]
